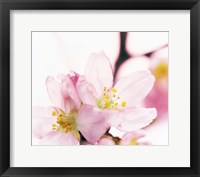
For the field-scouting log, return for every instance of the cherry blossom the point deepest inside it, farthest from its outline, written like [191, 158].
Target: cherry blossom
[118, 103]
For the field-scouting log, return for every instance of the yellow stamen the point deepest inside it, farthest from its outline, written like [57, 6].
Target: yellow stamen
[53, 113]
[114, 90]
[65, 122]
[123, 103]
[109, 100]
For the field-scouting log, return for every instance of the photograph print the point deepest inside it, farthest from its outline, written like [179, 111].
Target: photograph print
[99, 88]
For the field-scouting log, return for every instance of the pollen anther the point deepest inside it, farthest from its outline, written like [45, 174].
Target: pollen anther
[114, 90]
[109, 99]
[53, 113]
[123, 103]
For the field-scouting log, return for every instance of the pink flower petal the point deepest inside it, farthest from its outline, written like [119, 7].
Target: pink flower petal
[154, 100]
[86, 92]
[135, 135]
[73, 77]
[63, 95]
[92, 122]
[136, 118]
[59, 138]
[55, 92]
[99, 72]
[133, 88]
[130, 136]
[115, 118]
[42, 121]
[131, 65]
[61, 77]
[70, 94]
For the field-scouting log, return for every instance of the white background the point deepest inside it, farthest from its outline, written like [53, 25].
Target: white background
[176, 154]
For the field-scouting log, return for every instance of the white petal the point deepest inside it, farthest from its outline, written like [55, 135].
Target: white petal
[99, 72]
[133, 88]
[42, 121]
[92, 123]
[59, 138]
[86, 92]
[54, 90]
[136, 118]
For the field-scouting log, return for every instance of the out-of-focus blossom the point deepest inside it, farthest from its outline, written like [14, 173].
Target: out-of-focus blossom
[116, 102]
[158, 64]
[60, 125]
[157, 132]
[132, 65]
[158, 97]
[140, 43]
[130, 138]
[133, 138]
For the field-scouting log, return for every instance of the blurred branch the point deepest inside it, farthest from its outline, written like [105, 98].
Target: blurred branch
[150, 53]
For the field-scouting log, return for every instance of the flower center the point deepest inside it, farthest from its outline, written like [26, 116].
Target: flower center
[110, 100]
[65, 122]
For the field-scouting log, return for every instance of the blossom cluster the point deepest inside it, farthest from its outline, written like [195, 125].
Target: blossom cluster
[85, 107]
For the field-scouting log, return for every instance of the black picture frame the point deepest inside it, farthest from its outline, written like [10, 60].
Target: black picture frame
[7, 5]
